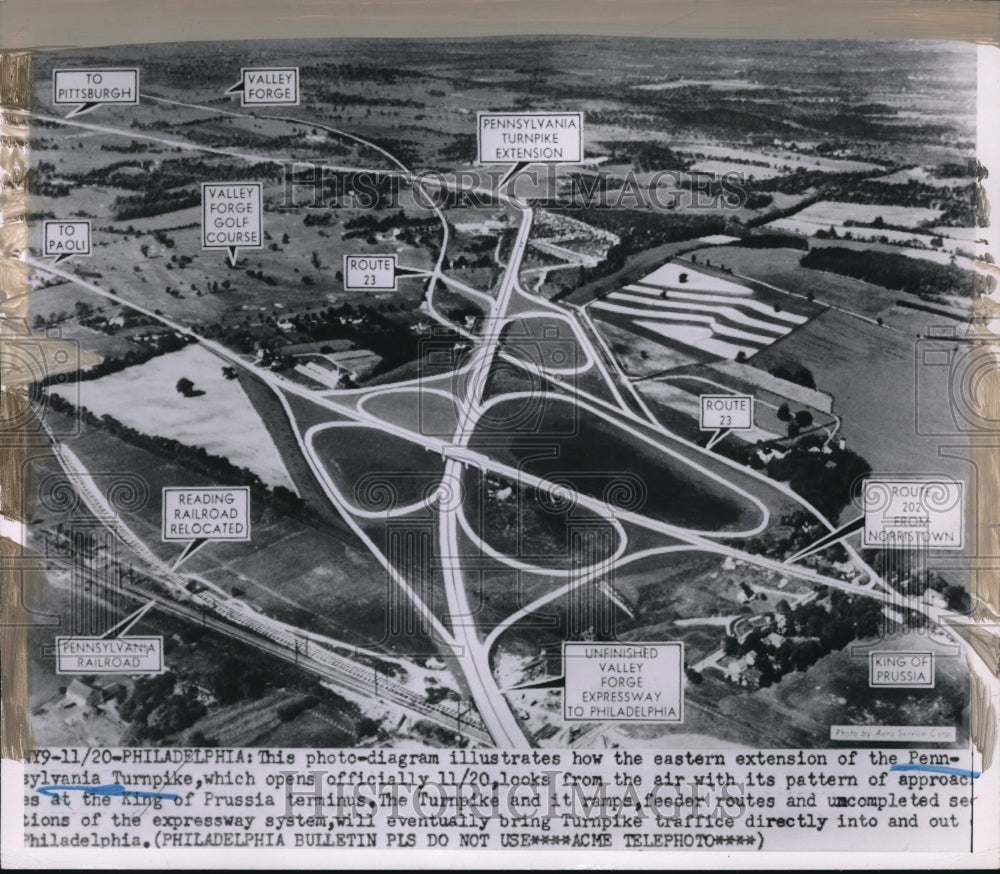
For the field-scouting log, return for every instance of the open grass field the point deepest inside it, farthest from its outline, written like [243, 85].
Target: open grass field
[317, 576]
[808, 227]
[377, 471]
[830, 212]
[533, 528]
[752, 161]
[289, 275]
[879, 412]
[411, 547]
[599, 459]
[955, 251]
[220, 419]
[780, 268]
[420, 409]
[495, 591]
[717, 167]
[639, 355]
[544, 342]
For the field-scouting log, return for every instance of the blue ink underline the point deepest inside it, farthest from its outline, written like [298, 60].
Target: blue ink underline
[936, 769]
[113, 789]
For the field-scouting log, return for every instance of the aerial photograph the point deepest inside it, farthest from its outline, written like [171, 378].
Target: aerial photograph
[516, 393]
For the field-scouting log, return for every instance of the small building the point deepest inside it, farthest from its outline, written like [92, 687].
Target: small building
[934, 598]
[740, 670]
[766, 455]
[358, 363]
[113, 691]
[82, 695]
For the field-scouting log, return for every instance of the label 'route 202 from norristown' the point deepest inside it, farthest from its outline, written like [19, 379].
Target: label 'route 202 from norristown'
[914, 512]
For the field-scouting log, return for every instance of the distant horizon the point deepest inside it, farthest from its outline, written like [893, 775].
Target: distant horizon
[512, 37]
[37, 26]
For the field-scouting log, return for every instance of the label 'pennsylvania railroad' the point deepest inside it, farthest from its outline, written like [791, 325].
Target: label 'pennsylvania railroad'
[109, 655]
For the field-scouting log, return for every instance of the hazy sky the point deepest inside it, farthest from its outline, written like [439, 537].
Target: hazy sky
[35, 23]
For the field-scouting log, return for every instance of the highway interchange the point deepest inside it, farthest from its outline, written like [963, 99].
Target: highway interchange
[470, 646]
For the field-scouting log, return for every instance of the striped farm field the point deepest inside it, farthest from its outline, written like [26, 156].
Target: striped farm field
[697, 312]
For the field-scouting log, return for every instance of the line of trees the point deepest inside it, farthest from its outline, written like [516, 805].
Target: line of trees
[817, 630]
[168, 342]
[215, 467]
[893, 271]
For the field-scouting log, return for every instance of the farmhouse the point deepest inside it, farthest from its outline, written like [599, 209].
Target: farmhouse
[82, 695]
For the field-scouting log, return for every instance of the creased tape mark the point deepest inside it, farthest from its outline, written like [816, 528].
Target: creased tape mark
[15, 92]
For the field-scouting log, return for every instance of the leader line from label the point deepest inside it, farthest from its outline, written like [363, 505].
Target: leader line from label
[525, 138]
[375, 272]
[267, 86]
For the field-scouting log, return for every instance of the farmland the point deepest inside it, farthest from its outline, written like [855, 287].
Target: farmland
[699, 312]
[496, 447]
[332, 586]
[219, 418]
[611, 465]
[880, 413]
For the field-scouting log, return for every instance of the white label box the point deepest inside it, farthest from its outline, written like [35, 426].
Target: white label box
[109, 655]
[530, 137]
[268, 86]
[914, 512]
[369, 273]
[66, 238]
[232, 215]
[88, 88]
[726, 411]
[902, 670]
[211, 513]
[623, 682]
